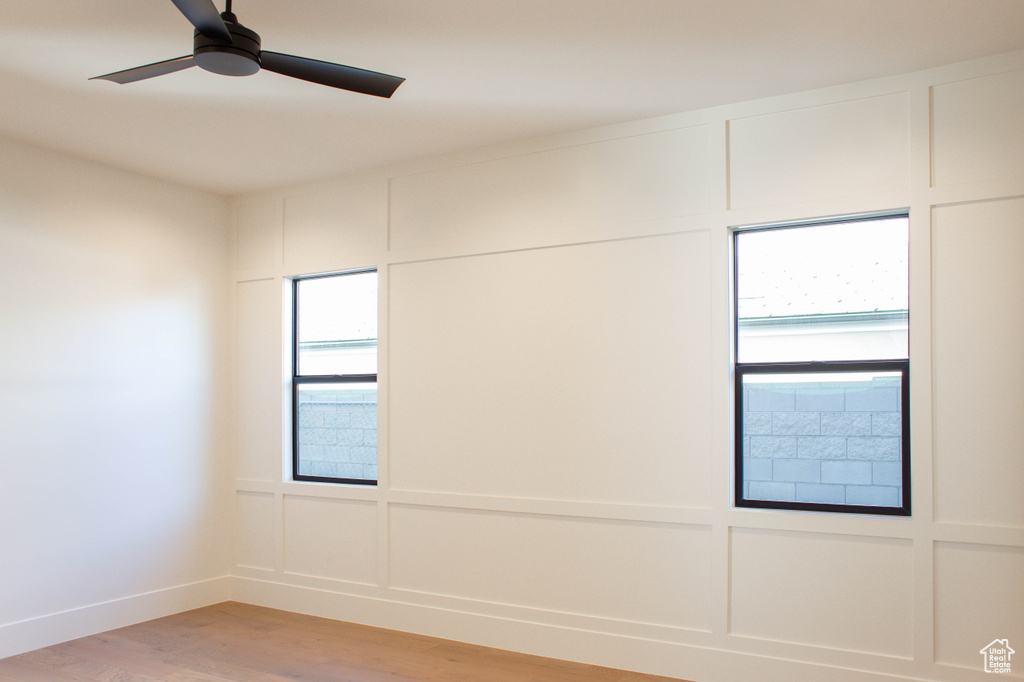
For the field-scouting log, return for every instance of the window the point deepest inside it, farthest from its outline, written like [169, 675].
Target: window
[334, 378]
[822, 366]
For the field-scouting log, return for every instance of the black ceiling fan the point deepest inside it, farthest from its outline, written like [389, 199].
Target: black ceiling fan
[222, 45]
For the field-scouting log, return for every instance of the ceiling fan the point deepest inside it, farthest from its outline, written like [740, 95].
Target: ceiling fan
[222, 45]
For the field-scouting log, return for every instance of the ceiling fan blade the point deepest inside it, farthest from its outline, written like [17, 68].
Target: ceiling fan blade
[334, 75]
[148, 71]
[205, 17]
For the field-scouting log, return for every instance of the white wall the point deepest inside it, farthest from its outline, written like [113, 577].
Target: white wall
[545, 488]
[113, 380]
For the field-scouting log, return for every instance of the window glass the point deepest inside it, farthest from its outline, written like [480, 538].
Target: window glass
[832, 438]
[337, 434]
[337, 324]
[821, 315]
[335, 381]
[823, 292]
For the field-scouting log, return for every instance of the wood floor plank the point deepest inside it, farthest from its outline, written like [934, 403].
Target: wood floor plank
[233, 642]
[17, 670]
[137, 659]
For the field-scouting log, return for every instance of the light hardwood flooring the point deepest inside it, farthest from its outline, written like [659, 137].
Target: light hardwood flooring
[240, 642]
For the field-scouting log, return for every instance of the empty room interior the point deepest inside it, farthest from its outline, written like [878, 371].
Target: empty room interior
[673, 337]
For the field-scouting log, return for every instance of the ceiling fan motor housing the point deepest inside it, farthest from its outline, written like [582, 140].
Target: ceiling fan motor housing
[241, 57]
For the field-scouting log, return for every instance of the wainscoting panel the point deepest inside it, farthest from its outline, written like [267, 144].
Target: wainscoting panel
[643, 572]
[977, 133]
[847, 592]
[256, 521]
[258, 381]
[978, 383]
[572, 373]
[534, 199]
[859, 146]
[335, 229]
[979, 596]
[258, 234]
[328, 538]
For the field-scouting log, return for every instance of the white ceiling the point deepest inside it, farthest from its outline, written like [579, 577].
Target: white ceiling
[479, 72]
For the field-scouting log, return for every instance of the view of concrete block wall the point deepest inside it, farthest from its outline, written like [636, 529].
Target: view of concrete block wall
[338, 434]
[836, 442]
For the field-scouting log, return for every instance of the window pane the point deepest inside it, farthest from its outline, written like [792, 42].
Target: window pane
[337, 324]
[337, 430]
[834, 438]
[823, 292]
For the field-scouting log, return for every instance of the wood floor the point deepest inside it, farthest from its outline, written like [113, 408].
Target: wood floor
[232, 641]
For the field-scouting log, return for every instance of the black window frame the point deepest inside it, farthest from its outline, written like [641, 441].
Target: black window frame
[298, 380]
[741, 369]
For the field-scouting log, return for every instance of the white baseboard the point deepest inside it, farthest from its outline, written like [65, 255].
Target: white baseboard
[673, 659]
[35, 633]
